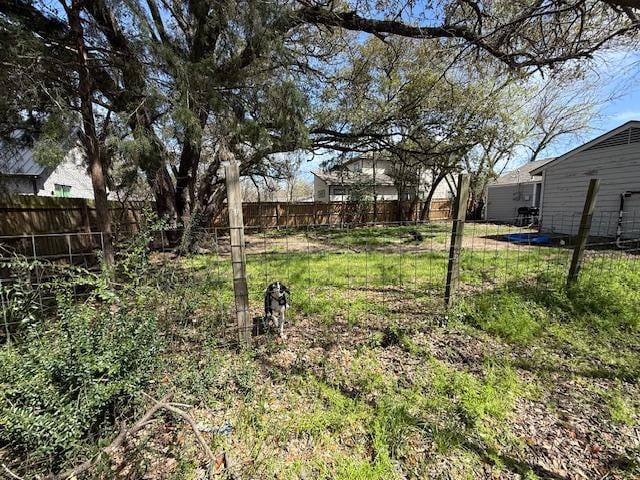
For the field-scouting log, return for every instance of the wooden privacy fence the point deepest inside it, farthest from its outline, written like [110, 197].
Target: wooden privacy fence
[282, 214]
[47, 219]
[41, 226]
[27, 215]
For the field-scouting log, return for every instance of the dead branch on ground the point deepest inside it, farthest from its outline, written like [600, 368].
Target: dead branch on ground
[125, 433]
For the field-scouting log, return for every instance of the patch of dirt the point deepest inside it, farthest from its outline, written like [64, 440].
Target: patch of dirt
[474, 239]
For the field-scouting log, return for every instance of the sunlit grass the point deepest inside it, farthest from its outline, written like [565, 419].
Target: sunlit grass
[359, 415]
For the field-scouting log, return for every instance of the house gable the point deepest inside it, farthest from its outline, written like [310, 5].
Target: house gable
[625, 134]
[617, 166]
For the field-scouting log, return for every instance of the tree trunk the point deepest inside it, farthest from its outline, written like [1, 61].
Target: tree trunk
[154, 165]
[425, 214]
[163, 192]
[89, 135]
[185, 195]
[185, 177]
[210, 200]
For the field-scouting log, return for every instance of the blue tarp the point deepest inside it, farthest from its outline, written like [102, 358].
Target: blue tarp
[529, 238]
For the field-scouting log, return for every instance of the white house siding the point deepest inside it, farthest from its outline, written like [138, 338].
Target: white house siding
[386, 193]
[71, 172]
[382, 193]
[320, 186]
[365, 165]
[503, 201]
[444, 190]
[565, 187]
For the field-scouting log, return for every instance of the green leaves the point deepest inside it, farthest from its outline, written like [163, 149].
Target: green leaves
[62, 382]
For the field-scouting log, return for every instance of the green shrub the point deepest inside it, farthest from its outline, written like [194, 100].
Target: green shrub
[64, 382]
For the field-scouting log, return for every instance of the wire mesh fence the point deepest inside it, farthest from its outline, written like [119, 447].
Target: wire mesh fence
[364, 276]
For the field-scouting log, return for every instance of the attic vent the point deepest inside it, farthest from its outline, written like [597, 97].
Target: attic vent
[631, 135]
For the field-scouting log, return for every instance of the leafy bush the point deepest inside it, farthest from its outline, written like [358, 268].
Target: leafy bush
[133, 263]
[19, 303]
[64, 381]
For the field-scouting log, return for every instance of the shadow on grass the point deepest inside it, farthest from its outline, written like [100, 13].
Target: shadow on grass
[629, 375]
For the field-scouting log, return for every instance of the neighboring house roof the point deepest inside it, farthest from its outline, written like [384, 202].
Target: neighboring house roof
[626, 133]
[522, 174]
[348, 177]
[18, 160]
[364, 157]
[351, 160]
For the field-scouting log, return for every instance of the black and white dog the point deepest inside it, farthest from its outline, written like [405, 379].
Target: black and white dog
[275, 304]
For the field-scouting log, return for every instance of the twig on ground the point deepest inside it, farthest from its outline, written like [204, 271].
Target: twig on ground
[10, 473]
[161, 404]
[181, 413]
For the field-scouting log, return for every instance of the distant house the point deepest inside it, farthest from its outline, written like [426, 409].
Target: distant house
[512, 190]
[338, 183]
[21, 174]
[614, 158]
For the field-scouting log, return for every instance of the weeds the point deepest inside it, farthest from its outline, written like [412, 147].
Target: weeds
[508, 315]
[621, 409]
[63, 384]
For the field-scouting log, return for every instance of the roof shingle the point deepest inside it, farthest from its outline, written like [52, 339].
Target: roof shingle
[522, 174]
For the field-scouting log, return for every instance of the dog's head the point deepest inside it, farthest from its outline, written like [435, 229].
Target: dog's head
[277, 290]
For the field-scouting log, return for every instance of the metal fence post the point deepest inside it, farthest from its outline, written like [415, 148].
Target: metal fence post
[457, 231]
[238, 256]
[583, 232]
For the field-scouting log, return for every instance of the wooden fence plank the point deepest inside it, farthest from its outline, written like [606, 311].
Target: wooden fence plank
[21, 215]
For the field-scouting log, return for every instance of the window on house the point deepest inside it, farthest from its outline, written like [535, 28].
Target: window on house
[339, 190]
[322, 193]
[61, 190]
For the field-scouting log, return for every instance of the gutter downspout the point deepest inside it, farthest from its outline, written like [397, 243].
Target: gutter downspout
[623, 195]
[541, 202]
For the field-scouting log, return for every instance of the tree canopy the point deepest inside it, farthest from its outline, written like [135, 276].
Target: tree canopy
[432, 82]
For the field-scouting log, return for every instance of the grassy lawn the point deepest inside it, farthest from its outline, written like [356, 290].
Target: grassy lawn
[522, 378]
